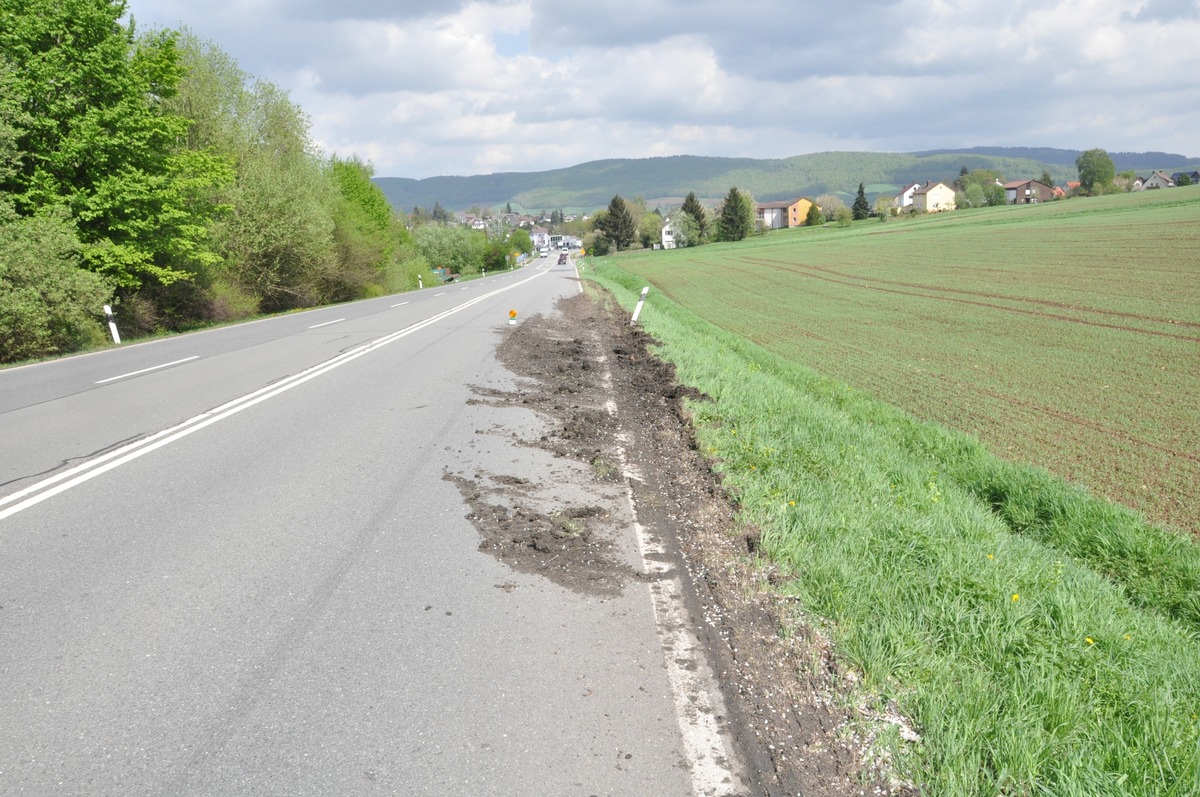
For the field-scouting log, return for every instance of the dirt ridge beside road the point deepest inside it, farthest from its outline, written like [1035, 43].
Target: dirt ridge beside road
[795, 731]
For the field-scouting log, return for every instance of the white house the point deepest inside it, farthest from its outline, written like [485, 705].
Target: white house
[905, 197]
[668, 235]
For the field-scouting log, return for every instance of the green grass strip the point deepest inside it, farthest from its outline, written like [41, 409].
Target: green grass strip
[1043, 641]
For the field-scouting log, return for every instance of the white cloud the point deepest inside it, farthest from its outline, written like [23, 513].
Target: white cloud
[423, 88]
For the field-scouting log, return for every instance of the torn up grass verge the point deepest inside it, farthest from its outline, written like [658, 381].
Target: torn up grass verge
[1040, 640]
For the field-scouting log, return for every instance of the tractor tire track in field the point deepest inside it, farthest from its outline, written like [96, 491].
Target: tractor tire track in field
[810, 272]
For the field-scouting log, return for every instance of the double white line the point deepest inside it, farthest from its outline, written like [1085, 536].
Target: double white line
[72, 477]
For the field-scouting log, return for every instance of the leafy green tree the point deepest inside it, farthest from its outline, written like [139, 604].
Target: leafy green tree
[520, 241]
[650, 230]
[1184, 179]
[101, 141]
[1096, 171]
[456, 248]
[735, 220]
[844, 216]
[814, 217]
[974, 196]
[994, 195]
[685, 229]
[1046, 179]
[693, 208]
[617, 224]
[981, 177]
[885, 206]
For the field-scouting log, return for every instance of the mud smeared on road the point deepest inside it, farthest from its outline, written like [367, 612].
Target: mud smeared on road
[610, 404]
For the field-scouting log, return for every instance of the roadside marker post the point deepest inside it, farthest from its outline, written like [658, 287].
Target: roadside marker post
[512, 318]
[112, 323]
[420, 283]
[638, 310]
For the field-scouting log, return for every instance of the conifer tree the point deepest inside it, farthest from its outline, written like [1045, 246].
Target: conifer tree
[617, 224]
[693, 208]
[861, 208]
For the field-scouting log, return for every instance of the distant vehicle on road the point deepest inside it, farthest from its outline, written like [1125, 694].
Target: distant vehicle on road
[562, 259]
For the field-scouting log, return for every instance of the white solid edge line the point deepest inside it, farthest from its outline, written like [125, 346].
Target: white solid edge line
[148, 370]
[398, 305]
[327, 323]
[72, 477]
[697, 704]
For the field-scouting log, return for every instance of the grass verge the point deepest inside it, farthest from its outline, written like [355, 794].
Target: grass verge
[1043, 641]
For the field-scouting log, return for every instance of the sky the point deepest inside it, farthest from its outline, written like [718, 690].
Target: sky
[421, 88]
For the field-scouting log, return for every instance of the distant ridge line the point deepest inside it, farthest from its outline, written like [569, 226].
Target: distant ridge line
[664, 181]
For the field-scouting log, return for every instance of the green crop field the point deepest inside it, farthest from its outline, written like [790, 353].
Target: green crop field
[1065, 335]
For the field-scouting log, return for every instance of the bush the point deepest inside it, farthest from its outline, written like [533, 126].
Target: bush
[48, 304]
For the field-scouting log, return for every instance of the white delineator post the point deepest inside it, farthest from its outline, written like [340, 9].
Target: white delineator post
[420, 282]
[638, 310]
[112, 323]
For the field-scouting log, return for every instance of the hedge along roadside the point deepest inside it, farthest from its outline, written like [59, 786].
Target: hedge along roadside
[1045, 655]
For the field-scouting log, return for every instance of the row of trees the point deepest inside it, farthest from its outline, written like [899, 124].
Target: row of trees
[148, 171]
[618, 226]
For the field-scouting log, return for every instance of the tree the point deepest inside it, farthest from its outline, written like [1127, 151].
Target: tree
[974, 196]
[885, 206]
[520, 241]
[617, 224]
[814, 217]
[692, 207]
[861, 208]
[830, 203]
[736, 217]
[844, 216]
[1046, 179]
[48, 304]
[1096, 171]
[649, 230]
[994, 195]
[960, 182]
[1184, 179]
[102, 142]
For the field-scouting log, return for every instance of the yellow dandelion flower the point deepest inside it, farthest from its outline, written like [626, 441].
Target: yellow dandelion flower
[1016, 597]
[991, 557]
[1090, 641]
[791, 503]
[1127, 636]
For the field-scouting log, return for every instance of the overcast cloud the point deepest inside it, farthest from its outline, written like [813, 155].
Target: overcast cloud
[446, 88]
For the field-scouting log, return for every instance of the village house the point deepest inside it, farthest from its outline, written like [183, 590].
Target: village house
[933, 198]
[778, 215]
[668, 235]
[1193, 178]
[1158, 180]
[905, 197]
[1027, 192]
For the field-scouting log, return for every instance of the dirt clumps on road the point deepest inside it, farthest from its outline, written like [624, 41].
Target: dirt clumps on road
[614, 408]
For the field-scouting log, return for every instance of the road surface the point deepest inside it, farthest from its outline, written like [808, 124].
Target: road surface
[233, 564]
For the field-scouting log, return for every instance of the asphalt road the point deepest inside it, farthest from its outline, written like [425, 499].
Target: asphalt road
[232, 566]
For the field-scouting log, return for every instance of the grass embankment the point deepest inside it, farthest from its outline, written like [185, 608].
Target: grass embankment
[1043, 641]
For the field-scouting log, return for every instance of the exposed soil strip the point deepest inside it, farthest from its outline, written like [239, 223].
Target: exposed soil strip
[787, 711]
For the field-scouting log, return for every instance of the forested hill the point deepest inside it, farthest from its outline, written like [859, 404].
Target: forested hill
[665, 181]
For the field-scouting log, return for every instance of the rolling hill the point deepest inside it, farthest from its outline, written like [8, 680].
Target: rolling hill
[666, 181]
